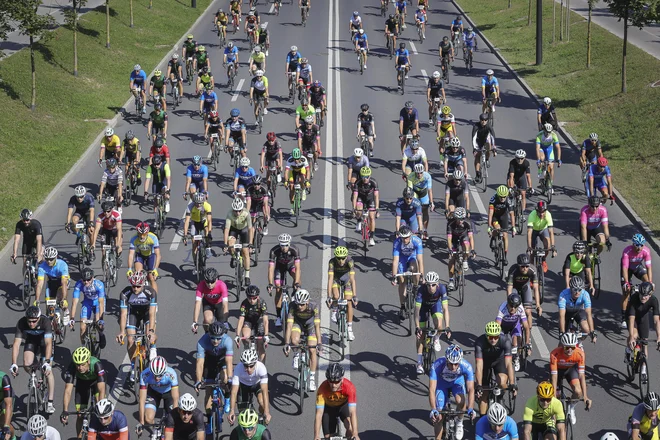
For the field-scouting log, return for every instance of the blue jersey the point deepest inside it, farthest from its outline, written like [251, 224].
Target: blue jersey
[205, 347]
[591, 150]
[208, 97]
[293, 60]
[456, 23]
[90, 293]
[400, 5]
[425, 297]
[566, 301]
[138, 78]
[442, 374]
[197, 176]
[408, 118]
[470, 39]
[489, 83]
[244, 177]
[484, 431]
[408, 211]
[407, 252]
[403, 55]
[112, 431]
[361, 39]
[235, 126]
[168, 381]
[231, 53]
[598, 175]
[59, 270]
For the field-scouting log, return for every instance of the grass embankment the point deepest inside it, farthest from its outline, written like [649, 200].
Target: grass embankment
[588, 100]
[38, 148]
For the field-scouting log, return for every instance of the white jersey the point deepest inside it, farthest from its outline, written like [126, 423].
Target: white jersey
[356, 21]
[292, 165]
[111, 178]
[51, 434]
[408, 154]
[306, 71]
[241, 376]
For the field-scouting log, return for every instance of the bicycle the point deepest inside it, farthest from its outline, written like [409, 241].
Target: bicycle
[278, 5]
[292, 87]
[273, 172]
[637, 365]
[109, 265]
[297, 202]
[29, 279]
[286, 299]
[516, 196]
[497, 394]
[86, 416]
[435, 108]
[131, 186]
[304, 371]
[58, 320]
[446, 67]
[215, 151]
[537, 261]
[231, 75]
[189, 70]
[260, 113]
[429, 336]
[390, 44]
[410, 298]
[159, 213]
[239, 270]
[217, 408]
[319, 116]
[82, 240]
[497, 245]
[421, 33]
[342, 319]
[140, 358]
[566, 402]
[365, 230]
[139, 104]
[490, 103]
[383, 7]
[91, 337]
[361, 60]
[450, 420]
[484, 171]
[401, 23]
[364, 142]
[37, 390]
[592, 251]
[468, 60]
[545, 182]
[235, 152]
[258, 222]
[199, 254]
[222, 30]
[303, 15]
[401, 78]
[459, 275]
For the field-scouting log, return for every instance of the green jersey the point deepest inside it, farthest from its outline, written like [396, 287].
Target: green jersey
[190, 47]
[95, 373]
[257, 435]
[158, 81]
[158, 118]
[201, 58]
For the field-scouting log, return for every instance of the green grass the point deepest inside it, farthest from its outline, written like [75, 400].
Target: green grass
[38, 148]
[588, 100]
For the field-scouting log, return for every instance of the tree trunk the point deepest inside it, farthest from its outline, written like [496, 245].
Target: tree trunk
[107, 24]
[529, 14]
[131, 6]
[624, 89]
[75, 39]
[509, 4]
[589, 36]
[561, 21]
[33, 103]
[151, 4]
[554, 20]
[568, 20]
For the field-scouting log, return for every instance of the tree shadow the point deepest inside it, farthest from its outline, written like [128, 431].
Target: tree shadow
[89, 32]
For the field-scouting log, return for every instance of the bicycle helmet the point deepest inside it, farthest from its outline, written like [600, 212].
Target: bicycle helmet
[259, 73]
[523, 260]
[602, 162]
[197, 160]
[594, 202]
[234, 113]
[402, 46]
[547, 128]
[446, 110]
[436, 75]
[652, 401]
[469, 29]
[137, 279]
[158, 72]
[493, 328]
[252, 291]
[157, 160]
[217, 329]
[361, 31]
[355, 13]
[26, 214]
[158, 106]
[37, 425]
[579, 247]
[248, 418]
[309, 119]
[514, 300]
[405, 232]
[489, 72]
[341, 252]
[158, 365]
[284, 239]
[190, 36]
[213, 114]
[211, 275]
[137, 67]
[460, 213]
[175, 56]
[237, 205]
[576, 284]
[432, 277]
[111, 163]
[569, 339]
[304, 61]
[257, 179]
[335, 372]
[50, 253]
[502, 191]
[87, 274]
[609, 436]
[646, 289]
[301, 296]
[296, 153]
[593, 136]
[201, 49]
[547, 101]
[364, 107]
[358, 152]
[249, 357]
[33, 312]
[230, 45]
[107, 206]
[244, 162]
[80, 190]
[483, 117]
[104, 408]
[545, 390]
[638, 240]
[365, 172]
[409, 104]
[198, 198]
[270, 136]
[109, 131]
[408, 193]
[316, 83]
[454, 354]
[391, 16]
[520, 154]
[414, 144]
[496, 414]
[541, 206]
[305, 101]
[419, 167]
[142, 228]
[187, 402]
[81, 355]
[458, 174]
[455, 142]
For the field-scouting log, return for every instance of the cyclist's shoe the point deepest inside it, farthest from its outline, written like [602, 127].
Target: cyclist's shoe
[247, 281]
[333, 315]
[194, 271]
[50, 408]
[316, 166]
[227, 407]
[465, 266]
[103, 341]
[351, 335]
[296, 360]
[451, 285]
[265, 111]
[153, 353]
[167, 207]
[365, 67]
[278, 322]
[488, 164]
[436, 344]
[139, 181]
[232, 263]
[131, 377]
[208, 252]
[291, 211]
[431, 122]
[516, 363]
[628, 356]
[459, 430]
[420, 368]
[265, 230]
[119, 262]
[624, 324]
[92, 254]
[545, 266]
[402, 313]
[144, 110]
[506, 262]
[371, 153]
[358, 227]
[372, 242]
[312, 383]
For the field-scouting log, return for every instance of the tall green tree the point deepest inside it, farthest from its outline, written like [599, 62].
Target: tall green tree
[71, 21]
[638, 13]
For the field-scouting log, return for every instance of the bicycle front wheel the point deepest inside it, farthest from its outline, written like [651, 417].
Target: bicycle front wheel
[27, 290]
[595, 273]
[302, 384]
[461, 288]
[643, 377]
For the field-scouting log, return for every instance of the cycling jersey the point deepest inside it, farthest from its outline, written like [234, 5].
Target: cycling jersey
[139, 302]
[145, 247]
[470, 39]
[407, 251]
[391, 24]
[197, 175]
[261, 433]
[408, 118]
[421, 186]
[444, 375]
[630, 257]
[225, 349]
[425, 297]
[457, 190]
[576, 265]
[568, 303]
[509, 320]
[408, 211]
[365, 119]
[445, 47]
[458, 228]
[138, 78]
[345, 394]
[400, 5]
[356, 165]
[113, 178]
[51, 434]
[91, 293]
[60, 270]
[485, 133]
[535, 413]
[302, 113]
[419, 15]
[236, 125]
[599, 176]
[30, 231]
[43, 329]
[414, 156]
[158, 82]
[483, 431]
[356, 21]
[163, 151]
[489, 83]
[559, 360]
[231, 54]
[361, 40]
[205, 78]
[95, 373]
[158, 118]
[114, 144]
[402, 56]
[593, 219]
[591, 151]
[538, 223]
[316, 96]
[253, 312]
[305, 72]
[215, 126]
[271, 150]
[218, 294]
[191, 47]
[241, 376]
[185, 430]
[339, 270]
[244, 176]
[546, 141]
[490, 353]
[499, 206]
[365, 190]
[239, 222]
[259, 84]
[117, 429]
[293, 60]
[209, 98]
[257, 194]
[296, 165]
[454, 158]
[640, 420]
[518, 279]
[519, 170]
[280, 257]
[167, 381]
[109, 221]
[159, 172]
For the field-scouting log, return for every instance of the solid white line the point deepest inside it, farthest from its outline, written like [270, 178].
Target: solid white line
[238, 90]
[477, 199]
[272, 8]
[178, 235]
[120, 380]
[540, 343]
[412, 45]
[426, 77]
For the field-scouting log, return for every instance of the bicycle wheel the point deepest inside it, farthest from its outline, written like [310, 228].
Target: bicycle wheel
[107, 276]
[461, 288]
[643, 380]
[510, 402]
[595, 274]
[302, 383]
[238, 273]
[569, 427]
[296, 206]
[522, 353]
[410, 308]
[500, 262]
[217, 423]
[484, 172]
[548, 187]
[541, 282]
[32, 405]
[403, 82]
[27, 290]
[95, 345]
[342, 334]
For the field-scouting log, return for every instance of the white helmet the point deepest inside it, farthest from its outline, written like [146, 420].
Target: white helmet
[489, 71]
[187, 402]
[37, 425]
[104, 408]
[547, 101]
[436, 74]
[419, 168]
[50, 252]
[294, 48]
[249, 356]
[609, 436]
[109, 131]
[358, 152]
[284, 239]
[432, 277]
[259, 73]
[301, 296]
[496, 414]
[80, 191]
[309, 119]
[158, 366]
[569, 339]
[547, 127]
[361, 31]
[460, 213]
[520, 154]
[237, 205]
[455, 142]
[458, 174]
[244, 162]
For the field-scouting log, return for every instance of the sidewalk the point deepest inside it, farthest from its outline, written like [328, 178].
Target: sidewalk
[647, 39]
[15, 41]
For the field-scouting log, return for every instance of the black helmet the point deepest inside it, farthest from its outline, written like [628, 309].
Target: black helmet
[33, 312]
[364, 107]
[513, 300]
[107, 206]
[483, 117]
[158, 106]
[335, 372]
[391, 16]
[252, 291]
[111, 163]
[408, 192]
[217, 329]
[159, 142]
[646, 289]
[87, 274]
[579, 247]
[594, 201]
[211, 275]
[157, 160]
[523, 260]
[402, 46]
[26, 214]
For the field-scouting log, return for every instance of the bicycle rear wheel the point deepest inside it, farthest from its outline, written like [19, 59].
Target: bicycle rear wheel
[643, 380]
[302, 383]
[500, 263]
[410, 308]
[595, 274]
[27, 290]
[539, 268]
[342, 334]
[32, 404]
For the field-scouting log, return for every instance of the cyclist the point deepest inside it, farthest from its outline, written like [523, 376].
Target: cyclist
[212, 127]
[590, 151]
[7, 404]
[81, 207]
[408, 122]
[401, 9]
[258, 200]
[303, 318]
[158, 84]
[317, 96]
[354, 165]
[250, 378]
[109, 226]
[422, 185]
[204, 80]
[470, 40]
[546, 114]
[341, 271]
[456, 157]
[303, 111]
[33, 238]
[211, 297]
[159, 148]
[575, 305]
[546, 144]
[496, 424]
[144, 254]
[456, 26]
[544, 415]
[519, 177]
[86, 374]
[175, 72]
[249, 427]
[93, 304]
[187, 423]
[158, 121]
[407, 256]
[355, 23]
[600, 177]
[459, 234]
[519, 277]
[53, 273]
[457, 194]
[578, 263]
[309, 139]
[131, 157]
[291, 65]
[250, 27]
[238, 226]
[137, 79]
[445, 52]
[138, 307]
[511, 316]
[366, 194]
[639, 309]
[643, 423]
[483, 138]
[208, 102]
[490, 87]
[391, 28]
[366, 125]
[159, 170]
[201, 59]
[493, 363]
[412, 155]
[263, 39]
[282, 259]
[37, 427]
[446, 129]
[271, 156]
[594, 223]
[259, 91]
[431, 301]
[108, 423]
[243, 176]
[221, 20]
[451, 374]
[569, 361]
[215, 351]
[235, 132]
[235, 9]
[197, 175]
[435, 88]
[253, 321]
[402, 65]
[420, 19]
[36, 331]
[158, 382]
[199, 211]
[304, 77]
[635, 260]
[500, 217]
[188, 50]
[112, 183]
[408, 211]
[336, 399]
[362, 44]
[539, 224]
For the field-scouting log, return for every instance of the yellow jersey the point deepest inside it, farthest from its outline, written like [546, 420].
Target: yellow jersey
[535, 413]
[198, 213]
[112, 144]
[223, 18]
[132, 146]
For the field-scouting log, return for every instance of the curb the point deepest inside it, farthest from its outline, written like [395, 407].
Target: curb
[97, 141]
[621, 202]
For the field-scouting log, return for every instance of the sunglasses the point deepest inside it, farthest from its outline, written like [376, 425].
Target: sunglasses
[408, 198]
[51, 259]
[569, 348]
[250, 366]
[215, 338]
[105, 417]
[33, 321]
[433, 285]
[493, 338]
[545, 400]
[337, 382]
[185, 413]
[524, 267]
[251, 428]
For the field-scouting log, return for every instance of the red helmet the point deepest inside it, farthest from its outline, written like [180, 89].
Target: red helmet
[270, 137]
[137, 279]
[142, 227]
[213, 114]
[541, 206]
[602, 162]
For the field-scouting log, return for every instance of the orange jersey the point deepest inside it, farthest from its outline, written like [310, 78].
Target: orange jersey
[560, 360]
[345, 393]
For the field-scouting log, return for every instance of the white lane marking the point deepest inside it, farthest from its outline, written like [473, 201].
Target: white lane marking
[414, 48]
[426, 77]
[540, 343]
[238, 90]
[477, 199]
[178, 235]
[272, 8]
[265, 23]
[120, 380]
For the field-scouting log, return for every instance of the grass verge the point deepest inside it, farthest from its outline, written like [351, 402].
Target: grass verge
[38, 148]
[588, 100]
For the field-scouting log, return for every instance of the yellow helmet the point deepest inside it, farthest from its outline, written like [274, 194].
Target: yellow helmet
[446, 110]
[493, 328]
[157, 72]
[248, 418]
[545, 390]
[365, 172]
[81, 355]
[502, 191]
[201, 49]
[341, 252]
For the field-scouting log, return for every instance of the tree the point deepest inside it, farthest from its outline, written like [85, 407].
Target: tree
[592, 3]
[638, 13]
[71, 22]
[107, 24]
[131, 8]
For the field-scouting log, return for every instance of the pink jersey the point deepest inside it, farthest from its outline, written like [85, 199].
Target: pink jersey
[109, 220]
[631, 257]
[593, 219]
[219, 292]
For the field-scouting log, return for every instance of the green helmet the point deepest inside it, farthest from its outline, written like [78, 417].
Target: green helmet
[296, 153]
[493, 329]
[502, 191]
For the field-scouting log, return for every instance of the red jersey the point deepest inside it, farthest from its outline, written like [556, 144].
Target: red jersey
[345, 394]
[164, 151]
[219, 292]
[109, 220]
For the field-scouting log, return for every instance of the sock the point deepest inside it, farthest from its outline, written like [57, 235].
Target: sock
[419, 358]
[623, 314]
[247, 274]
[278, 310]
[350, 325]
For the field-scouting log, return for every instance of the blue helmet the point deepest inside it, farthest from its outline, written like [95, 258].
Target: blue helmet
[454, 354]
[234, 112]
[638, 240]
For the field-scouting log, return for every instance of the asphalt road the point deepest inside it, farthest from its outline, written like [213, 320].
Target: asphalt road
[392, 397]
